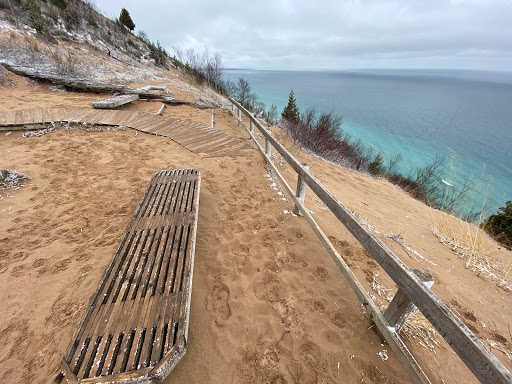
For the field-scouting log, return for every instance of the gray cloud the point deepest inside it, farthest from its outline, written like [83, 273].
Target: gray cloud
[285, 34]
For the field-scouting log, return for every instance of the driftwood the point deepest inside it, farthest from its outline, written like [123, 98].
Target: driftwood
[85, 85]
[70, 82]
[152, 88]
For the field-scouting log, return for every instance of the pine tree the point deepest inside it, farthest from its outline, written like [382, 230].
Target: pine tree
[500, 225]
[376, 167]
[126, 20]
[291, 112]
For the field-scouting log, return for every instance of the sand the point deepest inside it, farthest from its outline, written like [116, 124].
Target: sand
[268, 304]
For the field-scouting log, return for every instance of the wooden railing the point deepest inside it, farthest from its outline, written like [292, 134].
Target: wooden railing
[484, 365]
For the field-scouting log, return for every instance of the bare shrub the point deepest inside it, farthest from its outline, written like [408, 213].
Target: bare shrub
[393, 162]
[201, 67]
[4, 80]
[272, 115]
[428, 178]
[321, 134]
[64, 60]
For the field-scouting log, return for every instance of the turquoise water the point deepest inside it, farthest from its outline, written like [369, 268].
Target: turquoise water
[465, 116]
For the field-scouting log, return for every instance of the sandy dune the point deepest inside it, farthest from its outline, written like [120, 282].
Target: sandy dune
[268, 304]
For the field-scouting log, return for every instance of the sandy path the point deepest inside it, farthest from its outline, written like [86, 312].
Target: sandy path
[258, 273]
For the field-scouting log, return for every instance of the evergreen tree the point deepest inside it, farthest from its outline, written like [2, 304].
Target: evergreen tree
[291, 112]
[126, 20]
[500, 225]
[376, 167]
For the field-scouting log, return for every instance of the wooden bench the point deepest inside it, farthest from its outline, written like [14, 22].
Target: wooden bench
[114, 101]
[136, 327]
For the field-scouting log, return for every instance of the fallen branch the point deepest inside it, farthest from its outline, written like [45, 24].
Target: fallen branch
[161, 110]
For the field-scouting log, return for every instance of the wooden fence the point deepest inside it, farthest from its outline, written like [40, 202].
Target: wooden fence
[484, 365]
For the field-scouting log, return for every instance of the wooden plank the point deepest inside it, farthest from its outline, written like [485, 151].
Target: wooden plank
[157, 127]
[115, 117]
[95, 306]
[62, 112]
[227, 142]
[28, 116]
[90, 115]
[115, 101]
[228, 150]
[208, 143]
[38, 116]
[66, 374]
[139, 290]
[45, 116]
[127, 117]
[160, 371]
[54, 114]
[484, 365]
[67, 115]
[18, 117]
[144, 125]
[192, 139]
[77, 115]
[10, 117]
[196, 135]
[119, 378]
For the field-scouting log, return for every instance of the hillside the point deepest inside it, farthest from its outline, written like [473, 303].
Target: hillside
[268, 304]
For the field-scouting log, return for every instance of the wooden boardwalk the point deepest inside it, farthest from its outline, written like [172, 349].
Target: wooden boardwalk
[137, 323]
[196, 137]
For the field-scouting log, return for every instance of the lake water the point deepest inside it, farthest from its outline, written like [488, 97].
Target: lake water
[465, 116]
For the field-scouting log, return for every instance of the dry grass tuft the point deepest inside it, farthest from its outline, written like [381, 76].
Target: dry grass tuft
[472, 245]
[419, 330]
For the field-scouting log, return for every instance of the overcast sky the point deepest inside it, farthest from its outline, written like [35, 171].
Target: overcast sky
[297, 34]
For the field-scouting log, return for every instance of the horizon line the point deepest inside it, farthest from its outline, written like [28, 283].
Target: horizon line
[369, 69]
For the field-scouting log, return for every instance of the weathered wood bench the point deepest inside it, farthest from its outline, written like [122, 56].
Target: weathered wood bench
[136, 327]
[114, 101]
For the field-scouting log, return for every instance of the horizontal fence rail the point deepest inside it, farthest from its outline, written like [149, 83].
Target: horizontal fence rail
[484, 365]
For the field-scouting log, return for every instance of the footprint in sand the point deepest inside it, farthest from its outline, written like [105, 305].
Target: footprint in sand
[321, 273]
[276, 379]
[220, 303]
[319, 306]
[339, 320]
[373, 373]
[311, 354]
[17, 271]
[63, 312]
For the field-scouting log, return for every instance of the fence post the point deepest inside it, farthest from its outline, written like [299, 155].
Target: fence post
[213, 119]
[401, 307]
[268, 147]
[239, 116]
[232, 107]
[301, 191]
[251, 127]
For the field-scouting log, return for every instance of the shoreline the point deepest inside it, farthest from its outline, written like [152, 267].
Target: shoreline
[457, 168]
